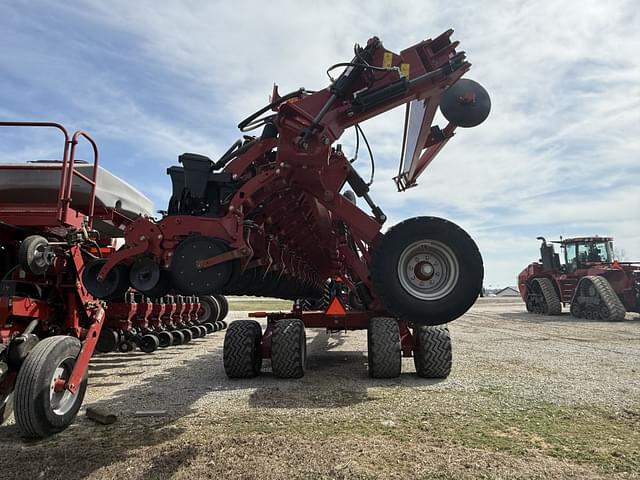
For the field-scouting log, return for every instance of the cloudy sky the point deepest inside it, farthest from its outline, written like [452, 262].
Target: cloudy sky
[559, 154]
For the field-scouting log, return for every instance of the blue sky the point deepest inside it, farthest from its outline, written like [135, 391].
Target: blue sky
[560, 153]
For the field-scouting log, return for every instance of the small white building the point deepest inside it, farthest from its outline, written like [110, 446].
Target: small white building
[508, 292]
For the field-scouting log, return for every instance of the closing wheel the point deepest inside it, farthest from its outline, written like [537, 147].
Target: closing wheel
[42, 408]
[107, 341]
[178, 337]
[187, 335]
[6, 406]
[209, 309]
[195, 332]
[288, 348]
[432, 355]
[165, 339]
[149, 343]
[126, 346]
[34, 255]
[203, 330]
[242, 357]
[427, 271]
[384, 350]
[224, 306]
[210, 327]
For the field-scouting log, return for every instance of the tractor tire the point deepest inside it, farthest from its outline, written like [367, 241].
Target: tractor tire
[39, 410]
[289, 349]
[551, 298]
[384, 350]
[432, 355]
[241, 354]
[427, 271]
[107, 341]
[224, 307]
[209, 309]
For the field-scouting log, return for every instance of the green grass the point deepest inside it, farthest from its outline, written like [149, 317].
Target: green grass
[259, 305]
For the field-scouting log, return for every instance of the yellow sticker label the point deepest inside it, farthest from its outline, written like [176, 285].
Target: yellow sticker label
[387, 59]
[404, 70]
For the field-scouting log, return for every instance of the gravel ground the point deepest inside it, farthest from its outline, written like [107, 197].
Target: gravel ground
[529, 397]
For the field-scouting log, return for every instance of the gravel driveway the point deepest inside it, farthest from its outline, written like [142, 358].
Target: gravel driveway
[529, 397]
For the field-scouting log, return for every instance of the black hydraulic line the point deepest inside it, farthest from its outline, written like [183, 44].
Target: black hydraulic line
[247, 121]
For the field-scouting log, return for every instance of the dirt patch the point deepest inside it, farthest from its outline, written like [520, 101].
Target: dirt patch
[529, 397]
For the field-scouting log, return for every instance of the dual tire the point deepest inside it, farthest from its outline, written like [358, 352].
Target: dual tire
[242, 354]
[432, 353]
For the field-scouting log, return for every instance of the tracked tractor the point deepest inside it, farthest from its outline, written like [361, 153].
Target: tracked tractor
[590, 281]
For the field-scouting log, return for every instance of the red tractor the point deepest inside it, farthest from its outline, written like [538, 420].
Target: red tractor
[590, 281]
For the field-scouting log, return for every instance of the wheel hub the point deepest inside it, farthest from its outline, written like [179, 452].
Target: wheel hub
[61, 399]
[428, 270]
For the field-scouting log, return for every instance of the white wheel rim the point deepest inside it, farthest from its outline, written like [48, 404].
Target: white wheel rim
[428, 270]
[62, 402]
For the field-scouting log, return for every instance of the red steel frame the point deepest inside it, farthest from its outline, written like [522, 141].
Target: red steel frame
[56, 218]
[296, 233]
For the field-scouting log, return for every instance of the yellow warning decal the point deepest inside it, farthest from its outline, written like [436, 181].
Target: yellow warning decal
[404, 70]
[387, 60]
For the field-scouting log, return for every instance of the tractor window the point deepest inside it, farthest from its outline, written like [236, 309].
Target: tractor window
[593, 252]
[570, 256]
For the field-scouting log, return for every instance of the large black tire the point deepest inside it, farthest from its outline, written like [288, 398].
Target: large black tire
[209, 309]
[432, 355]
[241, 354]
[288, 348]
[40, 412]
[427, 271]
[384, 350]
[553, 306]
[224, 307]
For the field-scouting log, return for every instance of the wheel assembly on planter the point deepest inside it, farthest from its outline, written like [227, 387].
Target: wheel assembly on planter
[288, 348]
[432, 356]
[418, 266]
[384, 348]
[42, 404]
[241, 353]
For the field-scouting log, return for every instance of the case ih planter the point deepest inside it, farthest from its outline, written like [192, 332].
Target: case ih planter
[54, 217]
[271, 217]
[591, 282]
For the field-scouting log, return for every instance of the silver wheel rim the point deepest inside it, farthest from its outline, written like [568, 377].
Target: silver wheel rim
[428, 270]
[62, 402]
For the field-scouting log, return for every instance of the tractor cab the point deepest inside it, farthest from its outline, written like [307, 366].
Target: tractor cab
[585, 252]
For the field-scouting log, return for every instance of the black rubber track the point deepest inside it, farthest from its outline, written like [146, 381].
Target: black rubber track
[432, 355]
[554, 307]
[241, 353]
[288, 348]
[33, 412]
[384, 351]
[401, 303]
[608, 297]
